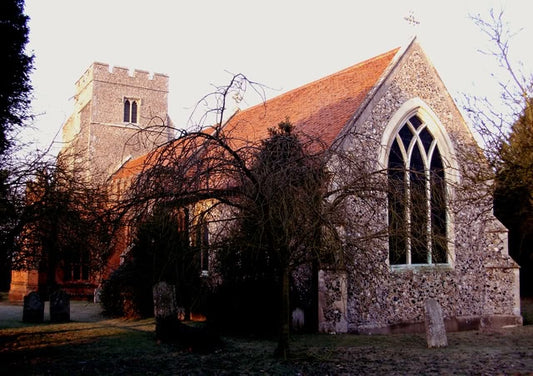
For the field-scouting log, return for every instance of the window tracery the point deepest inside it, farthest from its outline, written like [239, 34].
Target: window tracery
[416, 197]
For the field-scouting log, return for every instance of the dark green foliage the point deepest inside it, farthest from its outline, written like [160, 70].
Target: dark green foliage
[248, 300]
[17, 65]
[127, 292]
[514, 195]
[278, 229]
[8, 217]
[15, 100]
[110, 295]
[161, 252]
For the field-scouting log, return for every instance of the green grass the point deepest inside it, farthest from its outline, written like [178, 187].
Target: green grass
[121, 347]
[128, 347]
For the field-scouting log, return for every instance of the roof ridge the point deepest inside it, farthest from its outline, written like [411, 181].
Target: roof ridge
[336, 111]
[318, 80]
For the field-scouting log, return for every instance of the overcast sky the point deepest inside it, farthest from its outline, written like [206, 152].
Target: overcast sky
[280, 43]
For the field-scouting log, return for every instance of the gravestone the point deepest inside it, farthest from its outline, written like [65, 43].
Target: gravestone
[298, 319]
[59, 306]
[97, 298]
[33, 310]
[434, 321]
[165, 311]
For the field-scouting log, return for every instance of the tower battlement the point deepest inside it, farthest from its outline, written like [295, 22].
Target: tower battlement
[122, 76]
[112, 105]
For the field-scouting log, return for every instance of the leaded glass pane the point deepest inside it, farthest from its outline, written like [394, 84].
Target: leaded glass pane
[406, 135]
[418, 203]
[397, 208]
[127, 111]
[438, 210]
[415, 122]
[426, 138]
[133, 111]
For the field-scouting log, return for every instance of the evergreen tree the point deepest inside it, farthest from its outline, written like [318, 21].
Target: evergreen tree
[15, 98]
[17, 65]
[280, 224]
[514, 194]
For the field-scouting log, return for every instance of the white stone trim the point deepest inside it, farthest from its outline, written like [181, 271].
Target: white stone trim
[416, 106]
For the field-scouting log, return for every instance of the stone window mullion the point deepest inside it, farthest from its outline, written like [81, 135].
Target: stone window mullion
[416, 149]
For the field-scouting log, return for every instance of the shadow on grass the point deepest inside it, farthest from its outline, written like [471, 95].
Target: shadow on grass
[95, 350]
[128, 347]
[117, 347]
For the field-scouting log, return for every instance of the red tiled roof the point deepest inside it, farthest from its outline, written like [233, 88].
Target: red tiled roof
[131, 167]
[319, 109]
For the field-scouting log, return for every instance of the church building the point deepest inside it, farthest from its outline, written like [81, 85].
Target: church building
[430, 235]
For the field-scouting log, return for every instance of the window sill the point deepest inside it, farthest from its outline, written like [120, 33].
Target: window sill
[421, 267]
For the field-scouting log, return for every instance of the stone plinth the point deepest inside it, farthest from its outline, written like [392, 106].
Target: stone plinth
[22, 283]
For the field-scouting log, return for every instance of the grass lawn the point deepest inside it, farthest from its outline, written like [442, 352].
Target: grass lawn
[127, 347]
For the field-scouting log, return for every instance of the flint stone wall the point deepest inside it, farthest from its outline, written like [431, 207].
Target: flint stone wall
[96, 132]
[480, 280]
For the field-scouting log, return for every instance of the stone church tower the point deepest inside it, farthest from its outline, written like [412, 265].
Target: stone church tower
[118, 115]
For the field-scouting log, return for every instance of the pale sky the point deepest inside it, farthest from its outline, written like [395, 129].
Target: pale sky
[280, 43]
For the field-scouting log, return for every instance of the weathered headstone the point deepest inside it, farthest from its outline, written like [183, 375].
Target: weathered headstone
[59, 306]
[97, 298]
[33, 310]
[435, 329]
[298, 319]
[164, 299]
[165, 311]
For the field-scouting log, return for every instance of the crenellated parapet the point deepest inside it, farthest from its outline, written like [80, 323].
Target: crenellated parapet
[123, 76]
[113, 106]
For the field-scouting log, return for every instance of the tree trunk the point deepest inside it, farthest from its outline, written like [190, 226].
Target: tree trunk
[284, 325]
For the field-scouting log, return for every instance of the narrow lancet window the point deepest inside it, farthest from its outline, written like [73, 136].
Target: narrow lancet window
[127, 111]
[130, 111]
[134, 112]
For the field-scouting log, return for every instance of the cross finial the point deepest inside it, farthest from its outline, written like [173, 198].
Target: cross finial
[411, 20]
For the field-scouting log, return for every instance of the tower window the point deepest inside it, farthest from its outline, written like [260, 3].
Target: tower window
[417, 197]
[130, 110]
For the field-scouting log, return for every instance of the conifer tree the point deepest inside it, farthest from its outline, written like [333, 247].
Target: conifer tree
[17, 65]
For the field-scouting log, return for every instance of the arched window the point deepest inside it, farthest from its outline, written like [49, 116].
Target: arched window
[130, 110]
[134, 112]
[417, 197]
[127, 108]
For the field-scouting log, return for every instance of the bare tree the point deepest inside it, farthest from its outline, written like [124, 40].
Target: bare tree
[494, 121]
[506, 128]
[275, 186]
[60, 220]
